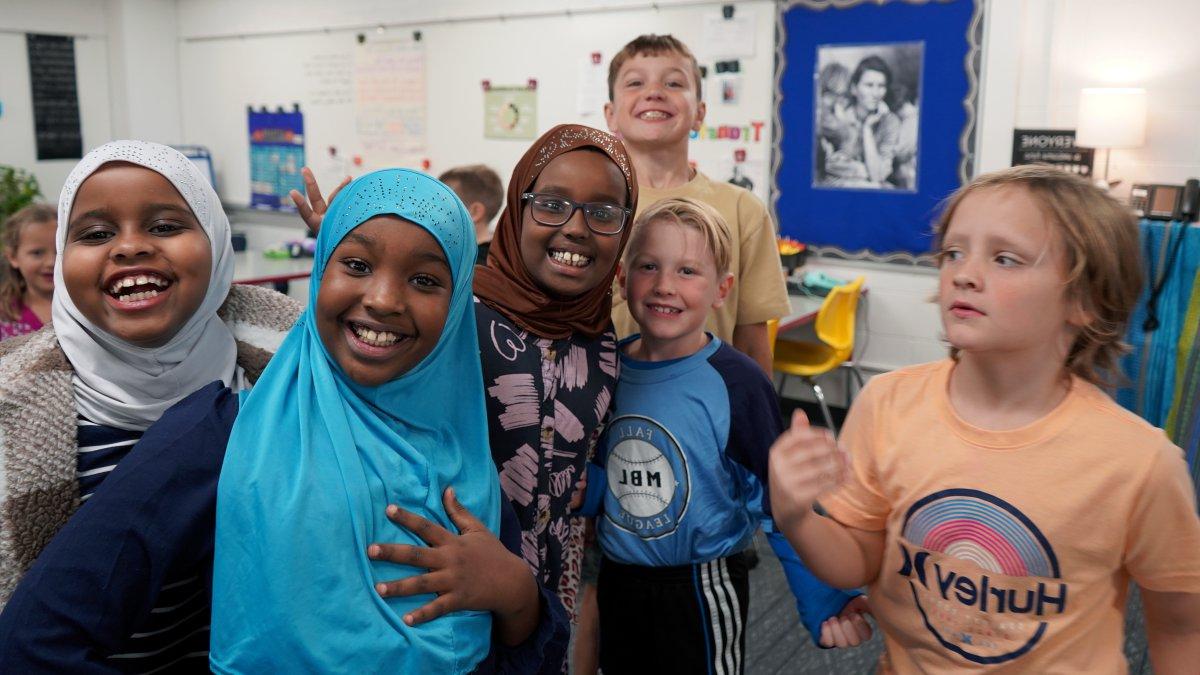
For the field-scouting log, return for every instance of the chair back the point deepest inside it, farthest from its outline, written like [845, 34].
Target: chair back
[835, 319]
[772, 333]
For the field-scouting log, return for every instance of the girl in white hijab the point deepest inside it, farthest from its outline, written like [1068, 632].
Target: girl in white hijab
[144, 315]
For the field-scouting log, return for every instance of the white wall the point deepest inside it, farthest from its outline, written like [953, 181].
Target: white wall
[233, 54]
[144, 56]
[84, 19]
[126, 61]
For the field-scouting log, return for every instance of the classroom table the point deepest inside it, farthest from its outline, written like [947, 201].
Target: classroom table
[804, 310]
[250, 267]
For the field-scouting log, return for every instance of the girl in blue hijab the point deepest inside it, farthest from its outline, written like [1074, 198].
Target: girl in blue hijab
[374, 399]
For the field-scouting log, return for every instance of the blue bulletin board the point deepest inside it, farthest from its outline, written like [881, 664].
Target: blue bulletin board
[849, 192]
[276, 156]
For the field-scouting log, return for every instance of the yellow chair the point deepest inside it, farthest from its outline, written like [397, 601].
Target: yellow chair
[835, 330]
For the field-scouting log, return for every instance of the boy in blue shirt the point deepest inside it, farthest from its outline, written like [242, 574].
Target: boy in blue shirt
[683, 465]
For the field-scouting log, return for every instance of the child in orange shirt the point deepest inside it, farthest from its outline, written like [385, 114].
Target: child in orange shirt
[999, 502]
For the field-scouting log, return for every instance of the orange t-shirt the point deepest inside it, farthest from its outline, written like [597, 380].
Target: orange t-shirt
[1011, 551]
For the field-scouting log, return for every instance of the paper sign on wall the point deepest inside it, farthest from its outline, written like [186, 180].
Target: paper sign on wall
[389, 100]
[510, 112]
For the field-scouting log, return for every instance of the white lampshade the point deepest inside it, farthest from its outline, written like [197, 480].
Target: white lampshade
[1111, 118]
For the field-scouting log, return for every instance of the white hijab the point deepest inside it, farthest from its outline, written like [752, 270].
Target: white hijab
[122, 385]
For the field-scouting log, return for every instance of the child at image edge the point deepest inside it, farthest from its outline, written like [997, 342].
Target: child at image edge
[998, 503]
[685, 459]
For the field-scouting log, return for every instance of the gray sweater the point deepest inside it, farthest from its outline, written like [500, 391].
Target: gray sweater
[38, 487]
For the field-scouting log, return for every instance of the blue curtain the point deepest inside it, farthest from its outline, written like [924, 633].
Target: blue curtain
[1163, 369]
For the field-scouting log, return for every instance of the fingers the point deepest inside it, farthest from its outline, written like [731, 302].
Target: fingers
[419, 584]
[306, 212]
[441, 605]
[405, 554]
[837, 633]
[799, 420]
[429, 532]
[462, 517]
[826, 638]
[861, 627]
[313, 190]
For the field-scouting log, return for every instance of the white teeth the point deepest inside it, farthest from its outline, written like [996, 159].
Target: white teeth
[572, 259]
[653, 115]
[140, 280]
[374, 338]
[665, 310]
[135, 297]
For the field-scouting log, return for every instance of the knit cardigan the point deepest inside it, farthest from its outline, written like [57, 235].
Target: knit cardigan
[38, 451]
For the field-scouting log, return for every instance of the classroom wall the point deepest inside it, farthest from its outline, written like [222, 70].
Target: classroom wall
[126, 61]
[86, 19]
[233, 54]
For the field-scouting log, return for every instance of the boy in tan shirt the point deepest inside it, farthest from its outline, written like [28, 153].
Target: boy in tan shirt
[654, 104]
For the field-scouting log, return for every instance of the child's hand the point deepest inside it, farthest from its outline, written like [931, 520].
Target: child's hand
[313, 209]
[804, 464]
[471, 570]
[580, 494]
[849, 628]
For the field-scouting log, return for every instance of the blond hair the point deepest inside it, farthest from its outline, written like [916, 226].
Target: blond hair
[685, 212]
[652, 45]
[12, 284]
[1104, 273]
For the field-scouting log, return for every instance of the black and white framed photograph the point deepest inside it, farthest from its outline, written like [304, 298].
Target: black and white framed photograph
[867, 115]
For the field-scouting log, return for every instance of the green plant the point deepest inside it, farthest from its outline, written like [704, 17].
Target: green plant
[17, 189]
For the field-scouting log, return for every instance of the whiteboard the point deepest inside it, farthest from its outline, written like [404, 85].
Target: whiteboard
[221, 76]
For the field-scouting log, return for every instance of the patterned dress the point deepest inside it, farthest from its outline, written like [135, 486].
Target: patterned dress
[547, 402]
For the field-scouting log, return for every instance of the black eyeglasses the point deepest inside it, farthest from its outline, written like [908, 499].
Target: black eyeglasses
[555, 211]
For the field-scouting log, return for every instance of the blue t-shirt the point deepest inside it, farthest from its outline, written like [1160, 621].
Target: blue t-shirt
[683, 466]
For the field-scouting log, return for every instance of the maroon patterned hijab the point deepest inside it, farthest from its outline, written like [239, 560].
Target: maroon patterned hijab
[506, 285]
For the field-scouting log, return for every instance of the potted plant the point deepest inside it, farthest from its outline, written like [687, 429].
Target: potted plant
[17, 189]
[792, 253]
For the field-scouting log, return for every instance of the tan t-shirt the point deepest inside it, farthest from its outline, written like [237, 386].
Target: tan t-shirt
[759, 292]
[1011, 551]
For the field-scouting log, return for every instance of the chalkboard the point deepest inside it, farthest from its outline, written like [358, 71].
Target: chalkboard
[55, 96]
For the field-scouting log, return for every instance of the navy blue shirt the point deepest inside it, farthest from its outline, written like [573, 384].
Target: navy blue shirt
[150, 523]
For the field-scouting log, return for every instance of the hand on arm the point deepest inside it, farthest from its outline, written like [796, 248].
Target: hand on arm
[1173, 630]
[470, 570]
[312, 205]
[804, 464]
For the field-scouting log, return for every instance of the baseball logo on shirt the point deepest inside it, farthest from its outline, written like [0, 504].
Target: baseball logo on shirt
[984, 579]
[647, 478]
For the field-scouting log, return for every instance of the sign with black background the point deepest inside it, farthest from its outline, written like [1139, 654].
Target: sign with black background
[1051, 146]
[55, 96]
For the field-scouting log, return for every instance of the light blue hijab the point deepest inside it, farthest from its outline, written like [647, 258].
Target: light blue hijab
[314, 459]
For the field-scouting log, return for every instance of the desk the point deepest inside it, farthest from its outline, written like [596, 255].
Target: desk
[804, 310]
[250, 267]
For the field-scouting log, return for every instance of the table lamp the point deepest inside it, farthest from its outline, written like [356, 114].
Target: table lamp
[1111, 118]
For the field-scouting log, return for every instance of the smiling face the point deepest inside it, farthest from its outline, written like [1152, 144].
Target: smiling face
[655, 101]
[136, 263]
[870, 89]
[33, 258]
[383, 299]
[570, 260]
[1002, 284]
[671, 286]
